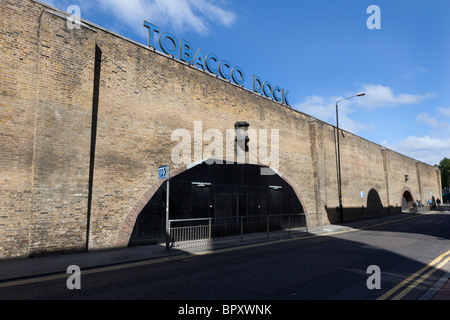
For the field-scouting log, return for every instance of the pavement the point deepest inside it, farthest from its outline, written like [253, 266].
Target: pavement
[12, 270]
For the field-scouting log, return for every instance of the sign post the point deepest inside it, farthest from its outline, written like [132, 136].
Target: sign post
[164, 173]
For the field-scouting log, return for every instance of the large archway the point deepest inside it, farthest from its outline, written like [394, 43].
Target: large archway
[216, 191]
[407, 201]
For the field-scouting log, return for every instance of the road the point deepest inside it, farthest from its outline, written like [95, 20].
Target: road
[310, 268]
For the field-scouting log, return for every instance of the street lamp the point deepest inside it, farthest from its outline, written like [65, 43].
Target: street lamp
[341, 209]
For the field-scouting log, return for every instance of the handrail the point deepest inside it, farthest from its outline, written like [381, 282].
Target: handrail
[236, 217]
[221, 227]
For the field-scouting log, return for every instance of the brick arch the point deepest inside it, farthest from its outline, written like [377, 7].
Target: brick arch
[128, 225]
[406, 189]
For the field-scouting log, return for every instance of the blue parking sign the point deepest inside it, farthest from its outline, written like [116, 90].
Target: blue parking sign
[163, 172]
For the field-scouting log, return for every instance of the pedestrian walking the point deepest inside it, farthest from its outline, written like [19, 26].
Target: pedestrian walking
[414, 207]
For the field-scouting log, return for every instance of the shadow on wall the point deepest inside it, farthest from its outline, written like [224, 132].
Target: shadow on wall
[373, 209]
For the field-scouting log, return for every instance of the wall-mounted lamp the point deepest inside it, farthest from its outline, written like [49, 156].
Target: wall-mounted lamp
[242, 138]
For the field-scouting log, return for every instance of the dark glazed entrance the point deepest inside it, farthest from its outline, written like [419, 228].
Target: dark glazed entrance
[217, 190]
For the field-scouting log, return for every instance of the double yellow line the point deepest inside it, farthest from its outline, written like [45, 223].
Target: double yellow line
[90, 271]
[409, 284]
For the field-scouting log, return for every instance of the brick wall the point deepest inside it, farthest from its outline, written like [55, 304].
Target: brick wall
[61, 116]
[18, 87]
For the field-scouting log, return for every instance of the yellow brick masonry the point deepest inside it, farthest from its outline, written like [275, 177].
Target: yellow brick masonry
[46, 108]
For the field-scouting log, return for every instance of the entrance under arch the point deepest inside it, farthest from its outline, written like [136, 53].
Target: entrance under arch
[407, 202]
[215, 191]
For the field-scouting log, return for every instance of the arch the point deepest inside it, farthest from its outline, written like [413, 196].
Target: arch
[129, 223]
[127, 226]
[374, 204]
[407, 200]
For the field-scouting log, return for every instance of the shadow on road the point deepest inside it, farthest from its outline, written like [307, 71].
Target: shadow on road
[309, 267]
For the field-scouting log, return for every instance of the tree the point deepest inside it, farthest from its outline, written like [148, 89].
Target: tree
[444, 166]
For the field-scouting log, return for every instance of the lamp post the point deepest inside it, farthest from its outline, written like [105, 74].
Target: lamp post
[341, 209]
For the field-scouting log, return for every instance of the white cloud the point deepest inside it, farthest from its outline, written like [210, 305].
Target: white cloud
[214, 12]
[196, 15]
[427, 119]
[430, 148]
[319, 107]
[426, 149]
[192, 15]
[325, 109]
[440, 126]
[444, 111]
[379, 96]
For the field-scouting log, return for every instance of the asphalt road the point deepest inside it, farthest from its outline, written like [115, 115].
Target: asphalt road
[311, 268]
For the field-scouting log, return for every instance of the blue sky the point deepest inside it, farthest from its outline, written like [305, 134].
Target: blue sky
[321, 51]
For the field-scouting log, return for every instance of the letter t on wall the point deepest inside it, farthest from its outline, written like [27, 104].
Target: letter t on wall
[151, 33]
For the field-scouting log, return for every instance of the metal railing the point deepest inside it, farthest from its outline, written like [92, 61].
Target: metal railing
[186, 230]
